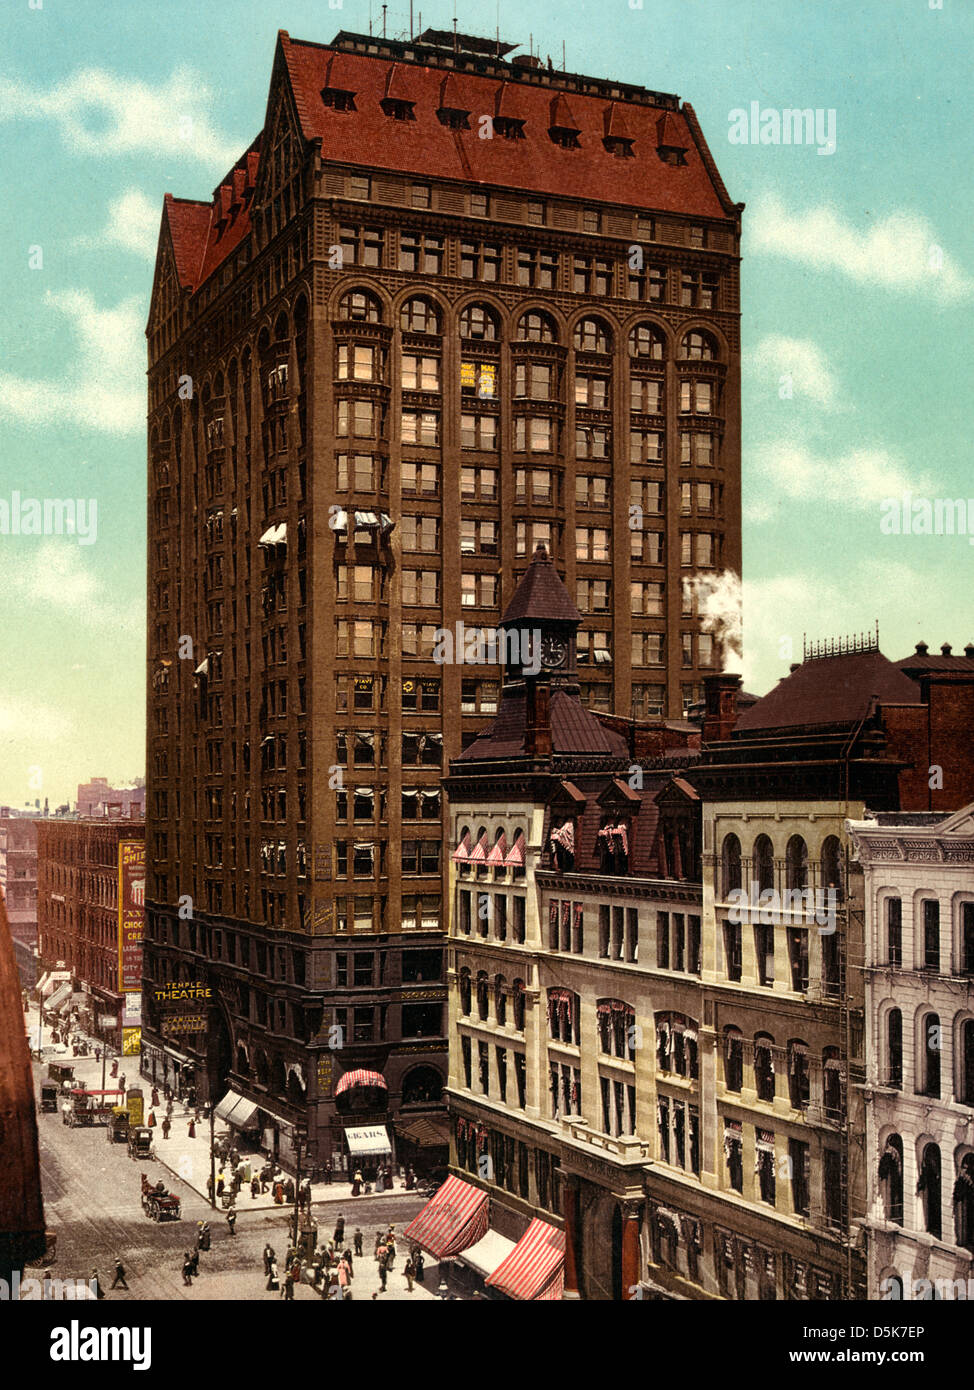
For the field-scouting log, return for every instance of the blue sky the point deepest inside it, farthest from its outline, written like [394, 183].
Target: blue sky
[857, 286]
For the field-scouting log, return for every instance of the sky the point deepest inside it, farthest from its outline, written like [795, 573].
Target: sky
[857, 288]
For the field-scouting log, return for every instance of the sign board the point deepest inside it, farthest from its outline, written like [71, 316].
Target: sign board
[135, 1104]
[132, 1011]
[107, 1021]
[183, 1023]
[178, 992]
[131, 914]
[131, 1042]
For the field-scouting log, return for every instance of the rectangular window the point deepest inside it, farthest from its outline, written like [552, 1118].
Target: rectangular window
[663, 940]
[894, 931]
[931, 934]
[798, 1156]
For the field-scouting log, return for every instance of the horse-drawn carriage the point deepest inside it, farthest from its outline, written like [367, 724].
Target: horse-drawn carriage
[86, 1108]
[157, 1203]
[140, 1141]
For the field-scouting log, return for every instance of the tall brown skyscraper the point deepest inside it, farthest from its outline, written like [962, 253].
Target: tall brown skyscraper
[448, 306]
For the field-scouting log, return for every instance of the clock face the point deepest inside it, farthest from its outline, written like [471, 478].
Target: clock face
[553, 650]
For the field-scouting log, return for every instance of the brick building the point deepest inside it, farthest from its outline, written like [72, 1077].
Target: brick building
[18, 883]
[90, 913]
[446, 307]
[97, 798]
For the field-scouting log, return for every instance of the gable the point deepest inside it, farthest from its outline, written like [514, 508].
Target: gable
[283, 150]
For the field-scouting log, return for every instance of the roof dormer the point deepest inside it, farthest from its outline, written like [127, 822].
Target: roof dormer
[399, 101]
[451, 111]
[617, 137]
[671, 142]
[563, 128]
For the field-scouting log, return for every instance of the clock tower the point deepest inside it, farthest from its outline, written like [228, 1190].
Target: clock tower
[539, 629]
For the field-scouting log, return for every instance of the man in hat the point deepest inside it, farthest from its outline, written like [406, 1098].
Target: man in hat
[119, 1276]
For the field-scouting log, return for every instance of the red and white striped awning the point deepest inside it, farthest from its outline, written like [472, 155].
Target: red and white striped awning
[454, 1218]
[360, 1078]
[499, 853]
[462, 850]
[535, 1268]
[515, 858]
[478, 855]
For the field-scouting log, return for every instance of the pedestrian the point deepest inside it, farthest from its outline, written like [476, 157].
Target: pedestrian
[169, 1107]
[347, 1257]
[358, 1240]
[410, 1179]
[379, 1239]
[339, 1236]
[391, 1246]
[383, 1271]
[119, 1275]
[379, 1181]
[194, 1261]
[278, 1194]
[273, 1282]
[121, 1082]
[288, 1290]
[356, 1184]
[155, 1095]
[97, 1054]
[166, 1126]
[192, 1129]
[219, 1182]
[151, 1122]
[114, 1069]
[94, 1283]
[232, 1221]
[255, 1187]
[409, 1273]
[328, 1174]
[209, 1187]
[269, 1257]
[204, 1235]
[418, 1266]
[187, 1269]
[344, 1274]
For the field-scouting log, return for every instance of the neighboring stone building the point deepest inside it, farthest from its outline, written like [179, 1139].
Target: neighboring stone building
[386, 360]
[918, 874]
[97, 799]
[90, 921]
[18, 883]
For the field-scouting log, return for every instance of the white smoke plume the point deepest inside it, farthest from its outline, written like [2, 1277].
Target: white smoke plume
[717, 600]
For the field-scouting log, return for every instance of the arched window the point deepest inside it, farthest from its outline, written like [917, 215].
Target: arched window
[733, 1059]
[832, 1083]
[730, 865]
[360, 306]
[422, 1086]
[891, 1178]
[965, 1057]
[676, 1044]
[894, 930]
[616, 1027]
[796, 863]
[500, 1000]
[295, 1088]
[646, 341]
[929, 1041]
[419, 316]
[591, 335]
[832, 863]
[517, 999]
[243, 1066]
[465, 991]
[798, 1074]
[536, 327]
[894, 1049]
[764, 863]
[928, 1188]
[699, 347]
[483, 1002]
[563, 1015]
[764, 1066]
[261, 1069]
[479, 322]
[964, 1203]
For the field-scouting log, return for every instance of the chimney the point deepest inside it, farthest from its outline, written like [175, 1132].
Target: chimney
[945, 649]
[922, 649]
[720, 706]
[969, 650]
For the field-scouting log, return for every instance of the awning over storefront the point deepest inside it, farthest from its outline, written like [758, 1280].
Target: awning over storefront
[236, 1110]
[49, 983]
[488, 1254]
[60, 996]
[425, 1132]
[535, 1268]
[368, 1141]
[452, 1220]
[360, 1078]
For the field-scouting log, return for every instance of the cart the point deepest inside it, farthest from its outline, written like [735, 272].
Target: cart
[118, 1126]
[60, 1071]
[140, 1141]
[87, 1108]
[50, 1091]
[157, 1203]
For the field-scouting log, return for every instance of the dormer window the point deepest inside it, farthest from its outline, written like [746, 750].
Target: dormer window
[338, 99]
[619, 146]
[509, 127]
[453, 118]
[564, 136]
[398, 109]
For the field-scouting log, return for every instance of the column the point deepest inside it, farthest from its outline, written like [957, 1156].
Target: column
[570, 1193]
[631, 1215]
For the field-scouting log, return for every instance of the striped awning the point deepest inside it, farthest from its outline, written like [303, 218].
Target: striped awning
[478, 855]
[462, 850]
[360, 1078]
[499, 853]
[515, 857]
[535, 1268]
[454, 1218]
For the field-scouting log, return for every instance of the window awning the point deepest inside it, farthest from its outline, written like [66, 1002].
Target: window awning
[425, 1132]
[478, 855]
[515, 857]
[535, 1268]
[368, 1141]
[488, 1254]
[462, 850]
[360, 1078]
[62, 993]
[51, 981]
[234, 1109]
[454, 1219]
[274, 535]
[498, 854]
[203, 669]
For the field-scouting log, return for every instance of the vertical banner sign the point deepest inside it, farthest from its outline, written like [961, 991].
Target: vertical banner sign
[131, 919]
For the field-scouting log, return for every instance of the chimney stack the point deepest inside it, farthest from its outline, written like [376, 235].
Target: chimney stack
[720, 706]
[945, 649]
[969, 650]
[922, 649]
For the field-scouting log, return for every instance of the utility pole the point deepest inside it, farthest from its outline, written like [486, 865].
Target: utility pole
[212, 1156]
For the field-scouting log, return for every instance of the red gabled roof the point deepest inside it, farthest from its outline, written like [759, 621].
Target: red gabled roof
[371, 138]
[189, 223]
[827, 691]
[204, 234]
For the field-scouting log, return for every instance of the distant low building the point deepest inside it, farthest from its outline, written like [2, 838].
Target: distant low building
[96, 798]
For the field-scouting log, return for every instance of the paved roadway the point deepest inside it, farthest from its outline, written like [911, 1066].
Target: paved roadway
[92, 1200]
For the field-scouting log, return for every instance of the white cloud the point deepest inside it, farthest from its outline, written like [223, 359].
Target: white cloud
[58, 576]
[789, 471]
[106, 389]
[99, 113]
[897, 252]
[24, 720]
[133, 223]
[802, 361]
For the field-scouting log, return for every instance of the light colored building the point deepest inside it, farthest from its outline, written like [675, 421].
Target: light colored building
[918, 875]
